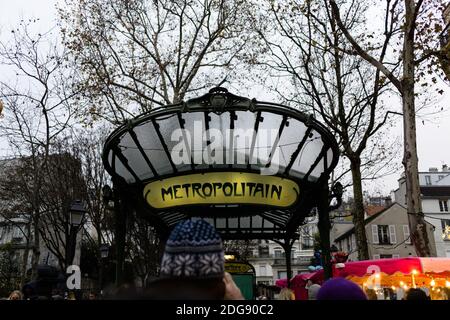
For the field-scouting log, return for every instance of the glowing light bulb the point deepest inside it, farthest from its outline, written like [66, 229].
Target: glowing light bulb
[393, 288]
[402, 283]
[447, 284]
[414, 272]
[377, 276]
[432, 283]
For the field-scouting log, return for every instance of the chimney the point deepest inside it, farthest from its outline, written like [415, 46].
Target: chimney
[444, 168]
[387, 201]
[433, 169]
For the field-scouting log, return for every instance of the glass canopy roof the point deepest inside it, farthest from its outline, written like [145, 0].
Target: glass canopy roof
[221, 132]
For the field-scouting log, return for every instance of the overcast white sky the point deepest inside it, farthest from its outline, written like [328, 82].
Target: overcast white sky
[433, 136]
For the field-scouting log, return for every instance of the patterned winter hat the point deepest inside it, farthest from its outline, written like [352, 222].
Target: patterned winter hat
[193, 250]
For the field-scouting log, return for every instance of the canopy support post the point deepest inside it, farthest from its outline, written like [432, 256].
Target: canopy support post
[287, 246]
[324, 226]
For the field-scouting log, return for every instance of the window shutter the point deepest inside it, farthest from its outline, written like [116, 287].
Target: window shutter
[376, 256]
[392, 235]
[395, 256]
[375, 234]
[406, 234]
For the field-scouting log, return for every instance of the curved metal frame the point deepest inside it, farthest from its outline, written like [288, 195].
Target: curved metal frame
[244, 104]
[218, 100]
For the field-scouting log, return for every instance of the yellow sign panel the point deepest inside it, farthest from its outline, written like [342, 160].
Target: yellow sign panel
[221, 188]
[236, 267]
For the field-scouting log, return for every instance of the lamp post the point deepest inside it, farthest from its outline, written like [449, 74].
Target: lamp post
[104, 252]
[77, 212]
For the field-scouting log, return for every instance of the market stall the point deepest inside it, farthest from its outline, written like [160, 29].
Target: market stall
[389, 278]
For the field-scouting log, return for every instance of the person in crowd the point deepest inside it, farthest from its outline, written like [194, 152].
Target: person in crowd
[312, 291]
[286, 294]
[92, 296]
[340, 289]
[193, 265]
[425, 289]
[15, 295]
[29, 291]
[57, 294]
[71, 296]
[416, 294]
[371, 294]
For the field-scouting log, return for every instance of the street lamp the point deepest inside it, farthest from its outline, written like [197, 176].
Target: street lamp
[77, 212]
[104, 251]
[76, 215]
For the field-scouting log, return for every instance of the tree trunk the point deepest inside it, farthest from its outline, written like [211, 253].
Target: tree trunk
[25, 256]
[419, 235]
[358, 209]
[36, 248]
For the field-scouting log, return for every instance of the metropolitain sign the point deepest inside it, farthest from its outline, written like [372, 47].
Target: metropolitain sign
[221, 188]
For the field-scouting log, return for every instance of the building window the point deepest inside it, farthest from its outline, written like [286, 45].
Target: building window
[282, 274]
[307, 237]
[17, 236]
[428, 180]
[262, 270]
[440, 177]
[278, 253]
[443, 205]
[406, 234]
[445, 230]
[263, 250]
[383, 234]
[385, 256]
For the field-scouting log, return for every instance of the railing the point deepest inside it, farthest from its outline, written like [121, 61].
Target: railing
[278, 256]
[294, 261]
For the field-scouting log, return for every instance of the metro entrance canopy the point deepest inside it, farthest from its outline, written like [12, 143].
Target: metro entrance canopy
[254, 170]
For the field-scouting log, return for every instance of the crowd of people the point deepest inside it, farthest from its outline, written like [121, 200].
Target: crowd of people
[193, 268]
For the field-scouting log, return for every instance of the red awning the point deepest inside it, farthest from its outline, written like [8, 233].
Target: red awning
[387, 266]
[434, 267]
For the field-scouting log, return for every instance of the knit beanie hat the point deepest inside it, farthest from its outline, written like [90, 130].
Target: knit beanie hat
[340, 289]
[193, 251]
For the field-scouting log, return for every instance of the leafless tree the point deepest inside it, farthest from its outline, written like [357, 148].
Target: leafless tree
[320, 75]
[412, 28]
[100, 220]
[63, 183]
[36, 92]
[136, 55]
[144, 249]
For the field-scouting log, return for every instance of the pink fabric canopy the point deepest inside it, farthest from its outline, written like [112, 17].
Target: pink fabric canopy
[367, 267]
